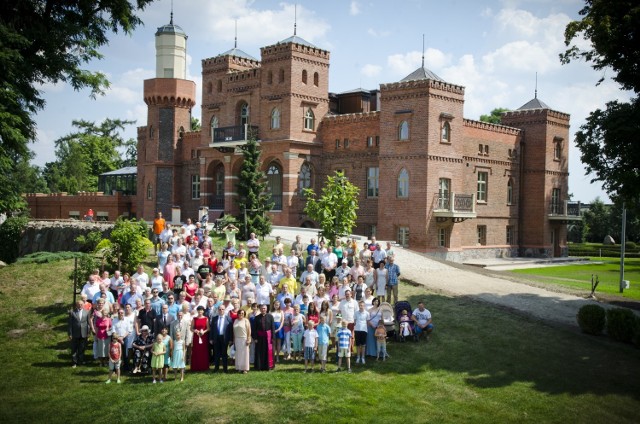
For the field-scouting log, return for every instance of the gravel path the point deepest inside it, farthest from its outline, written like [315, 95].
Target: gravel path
[552, 307]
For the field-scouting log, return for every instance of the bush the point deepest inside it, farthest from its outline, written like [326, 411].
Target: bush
[86, 265]
[636, 332]
[630, 245]
[47, 257]
[591, 319]
[621, 324]
[128, 245]
[89, 242]
[10, 234]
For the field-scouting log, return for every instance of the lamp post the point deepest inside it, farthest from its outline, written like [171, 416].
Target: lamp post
[622, 247]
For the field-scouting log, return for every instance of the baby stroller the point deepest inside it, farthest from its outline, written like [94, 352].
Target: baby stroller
[405, 322]
[388, 317]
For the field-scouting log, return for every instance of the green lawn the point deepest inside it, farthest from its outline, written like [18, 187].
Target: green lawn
[579, 276]
[482, 365]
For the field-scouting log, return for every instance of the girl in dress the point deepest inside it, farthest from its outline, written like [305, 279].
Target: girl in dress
[177, 357]
[278, 322]
[286, 327]
[312, 313]
[157, 360]
[168, 348]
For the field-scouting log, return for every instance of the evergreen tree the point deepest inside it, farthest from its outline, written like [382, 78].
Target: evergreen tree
[253, 195]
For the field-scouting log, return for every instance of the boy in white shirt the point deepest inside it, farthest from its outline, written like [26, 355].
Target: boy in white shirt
[310, 345]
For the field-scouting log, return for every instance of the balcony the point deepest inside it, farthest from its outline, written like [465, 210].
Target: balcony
[226, 139]
[455, 207]
[564, 212]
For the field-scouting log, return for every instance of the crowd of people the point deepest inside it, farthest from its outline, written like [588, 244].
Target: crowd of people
[199, 308]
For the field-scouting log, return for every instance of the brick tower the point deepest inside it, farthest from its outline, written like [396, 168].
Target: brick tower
[544, 151]
[169, 98]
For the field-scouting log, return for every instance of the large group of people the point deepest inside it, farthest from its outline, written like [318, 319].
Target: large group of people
[200, 308]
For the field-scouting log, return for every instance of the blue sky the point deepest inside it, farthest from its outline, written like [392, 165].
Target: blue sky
[494, 48]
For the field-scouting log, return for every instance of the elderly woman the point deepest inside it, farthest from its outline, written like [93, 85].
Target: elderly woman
[242, 341]
[142, 351]
[101, 328]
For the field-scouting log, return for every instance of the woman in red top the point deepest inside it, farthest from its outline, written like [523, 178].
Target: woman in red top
[200, 349]
[313, 314]
[190, 288]
[101, 328]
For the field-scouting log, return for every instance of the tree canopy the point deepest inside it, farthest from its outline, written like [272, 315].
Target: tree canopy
[495, 117]
[48, 41]
[607, 141]
[335, 209]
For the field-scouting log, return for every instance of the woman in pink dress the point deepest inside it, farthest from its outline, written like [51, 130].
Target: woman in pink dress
[102, 326]
[200, 349]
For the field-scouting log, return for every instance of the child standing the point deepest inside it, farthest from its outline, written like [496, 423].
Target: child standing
[381, 340]
[168, 348]
[157, 360]
[177, 357]
[324, 332]
[310, 345]
[115, 353]
[344, 346]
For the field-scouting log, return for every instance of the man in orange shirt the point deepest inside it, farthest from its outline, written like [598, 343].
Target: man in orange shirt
[158, 226]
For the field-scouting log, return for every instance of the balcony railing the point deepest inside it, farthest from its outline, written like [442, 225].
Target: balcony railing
[235, 133]
[464, 207]
[564, 211]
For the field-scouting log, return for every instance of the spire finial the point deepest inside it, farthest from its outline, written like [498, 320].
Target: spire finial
[171, 20]
[535, 95]
[295, 18]
[423, 50]
[235, 40]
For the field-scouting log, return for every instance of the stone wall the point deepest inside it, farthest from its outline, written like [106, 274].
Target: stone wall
[57, 236]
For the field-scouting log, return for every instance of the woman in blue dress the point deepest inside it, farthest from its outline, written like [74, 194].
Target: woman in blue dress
[374, 316]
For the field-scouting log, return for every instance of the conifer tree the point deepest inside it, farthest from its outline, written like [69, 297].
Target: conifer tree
[253, 195]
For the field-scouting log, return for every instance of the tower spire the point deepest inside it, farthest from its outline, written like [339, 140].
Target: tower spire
[423, 50]
[235, 42]
[171, 20]
[535, 95]
[295, 18]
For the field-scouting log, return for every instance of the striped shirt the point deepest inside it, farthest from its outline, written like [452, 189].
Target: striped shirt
[344, 337]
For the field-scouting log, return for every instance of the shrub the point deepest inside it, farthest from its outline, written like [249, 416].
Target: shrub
[47, 257]
[86, 265]
[636, 332]
[10, 234]
[89, 241]
[591, 319]
[630, 245]
[620, 324]
[128, 245]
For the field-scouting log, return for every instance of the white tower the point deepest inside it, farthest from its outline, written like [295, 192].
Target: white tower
[171, 51]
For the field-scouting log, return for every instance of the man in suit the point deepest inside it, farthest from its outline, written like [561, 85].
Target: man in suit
[163, 320]
[78, 332]
[220, 335]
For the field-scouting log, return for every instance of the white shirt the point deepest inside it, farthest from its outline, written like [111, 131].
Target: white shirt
[343, 271]
[348, 309]
[379, 255]
[329, 261]
[314, 277]
[310, 338]
[361, 319]
[263, 293]
[91, 289]
[142, 279]
[156, 283]
[422, 316]
[318, 300]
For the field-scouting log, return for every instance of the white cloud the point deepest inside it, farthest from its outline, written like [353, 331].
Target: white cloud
[404, 64]
[354, 8]
[370, 70]
[127, 87]
[378, 33]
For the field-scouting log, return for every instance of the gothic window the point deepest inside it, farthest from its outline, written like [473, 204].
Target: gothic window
[510, 191]
[304, 178]
[304, 76]
[373, 180]
[446, 132]
[149, 191]
[274, 185]
[403, 131]
[213, 124]
[309, 120]
[275, 118]
[316, 79]
[403, 184]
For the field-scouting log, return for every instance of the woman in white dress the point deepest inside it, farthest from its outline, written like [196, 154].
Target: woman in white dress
[381, 280]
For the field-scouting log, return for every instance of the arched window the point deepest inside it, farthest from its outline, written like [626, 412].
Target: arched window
[510, 191]
[304, 178]
[446, 132]
[150, 131]
[219, 86]
[309, 119]
[275, 118]
[274, 185]
[403, 131]
[149, 191]
[403, 183]
[181, 133]
[210, 87]
[304, 76]
[281, 79]
[270, 78]
[316, 79]
[218, 195]
[213, 124]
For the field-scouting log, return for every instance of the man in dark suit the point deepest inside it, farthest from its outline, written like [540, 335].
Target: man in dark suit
[163, 320]
[220, 335]
[78, 332]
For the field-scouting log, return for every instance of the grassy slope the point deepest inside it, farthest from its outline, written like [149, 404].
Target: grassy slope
[579, 276]
[482, 365]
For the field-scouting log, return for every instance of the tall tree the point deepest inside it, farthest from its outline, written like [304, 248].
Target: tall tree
[48, 41]
[86, 153]
[607, 141]
[495, 117]
[254, 199]
[598, 222]
[335, 209]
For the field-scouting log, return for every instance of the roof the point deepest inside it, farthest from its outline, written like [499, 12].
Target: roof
[297, 40]
[238, 53]
[422, 73]
[534, 103]
[170, 29]
[127, 170]
[356, 90]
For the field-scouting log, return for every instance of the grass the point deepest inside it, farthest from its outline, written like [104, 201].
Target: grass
[579, 276]
[482, 364]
